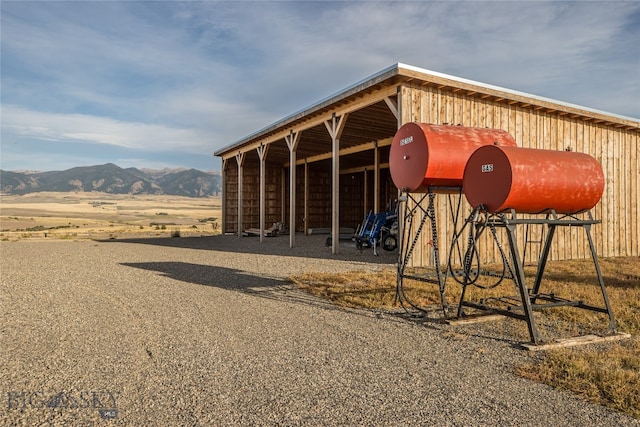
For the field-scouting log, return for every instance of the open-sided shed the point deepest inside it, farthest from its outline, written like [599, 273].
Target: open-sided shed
[340, 151]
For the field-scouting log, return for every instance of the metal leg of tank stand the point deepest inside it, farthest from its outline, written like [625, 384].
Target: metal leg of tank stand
[542, 262]
[431, 213]
[405, 228]
[406, 244]
[529, 298]
[465, 283]
[466, 262]
[612, 322]
[522, 285]
[409, 241]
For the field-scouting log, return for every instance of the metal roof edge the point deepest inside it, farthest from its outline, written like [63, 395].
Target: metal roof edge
[395, 70]
[514, 92]
[367, 81]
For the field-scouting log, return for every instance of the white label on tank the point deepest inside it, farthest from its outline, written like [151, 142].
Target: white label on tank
[407, 140]
[487, 168]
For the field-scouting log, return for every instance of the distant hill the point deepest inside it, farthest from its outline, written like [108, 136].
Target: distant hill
[192, 182]
[110, 178]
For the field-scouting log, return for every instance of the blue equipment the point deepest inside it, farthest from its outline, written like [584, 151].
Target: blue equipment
[378, 229]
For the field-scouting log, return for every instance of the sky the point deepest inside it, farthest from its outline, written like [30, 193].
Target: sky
[155, 84]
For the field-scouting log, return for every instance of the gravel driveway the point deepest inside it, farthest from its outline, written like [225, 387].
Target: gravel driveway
[205, 332]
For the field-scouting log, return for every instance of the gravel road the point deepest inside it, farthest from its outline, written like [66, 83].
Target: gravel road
[205, 332]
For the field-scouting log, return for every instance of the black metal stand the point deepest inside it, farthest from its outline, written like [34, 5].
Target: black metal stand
[414, 217]
[529, 298]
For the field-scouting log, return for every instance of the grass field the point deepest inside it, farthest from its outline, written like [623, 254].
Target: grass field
[103, 216]
[607, 374]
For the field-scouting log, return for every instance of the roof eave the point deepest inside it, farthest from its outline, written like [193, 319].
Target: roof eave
[409, 72]
[364, 84]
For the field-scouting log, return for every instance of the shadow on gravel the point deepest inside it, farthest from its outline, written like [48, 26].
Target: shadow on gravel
[220, 277]
[235, 280]
[306, 246]
[264, 287]
[280, 290]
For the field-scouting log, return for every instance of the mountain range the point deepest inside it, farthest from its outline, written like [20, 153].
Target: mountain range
[110, 178]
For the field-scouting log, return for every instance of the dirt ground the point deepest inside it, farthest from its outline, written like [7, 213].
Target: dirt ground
[96, 215]
[117, 326]
[206, 331]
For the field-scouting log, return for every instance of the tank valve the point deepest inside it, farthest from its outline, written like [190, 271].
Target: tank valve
[405, 157]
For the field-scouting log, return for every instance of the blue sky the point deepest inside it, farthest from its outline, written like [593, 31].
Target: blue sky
[166, 83]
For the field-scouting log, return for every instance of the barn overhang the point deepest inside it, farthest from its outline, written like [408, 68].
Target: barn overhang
[351, 132]
[373, 107]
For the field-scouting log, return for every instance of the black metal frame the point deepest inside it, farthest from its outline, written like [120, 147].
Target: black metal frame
[410, 238]
[528, 298]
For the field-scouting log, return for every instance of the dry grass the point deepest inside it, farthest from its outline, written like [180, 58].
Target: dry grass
[351, 289]
[607, 374]
[102, 216]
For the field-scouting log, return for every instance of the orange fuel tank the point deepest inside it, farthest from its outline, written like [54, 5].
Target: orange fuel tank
[532, 181]
[424, 155]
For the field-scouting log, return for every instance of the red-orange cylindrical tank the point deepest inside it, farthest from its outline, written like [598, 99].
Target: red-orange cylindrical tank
[424, 155]
[532, 181]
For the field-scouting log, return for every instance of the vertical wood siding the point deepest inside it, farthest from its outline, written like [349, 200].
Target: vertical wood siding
[534, 127]
[230, 193]
[251, 195]
[616, 148]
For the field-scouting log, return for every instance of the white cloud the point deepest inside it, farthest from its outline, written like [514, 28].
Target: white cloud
[150, 75]
[552, 49]
[31, 124]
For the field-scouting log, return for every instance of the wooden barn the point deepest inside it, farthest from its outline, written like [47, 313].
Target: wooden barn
[327, 166]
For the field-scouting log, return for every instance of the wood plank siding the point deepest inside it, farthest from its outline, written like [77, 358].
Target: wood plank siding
[616, 148]
[375, 108]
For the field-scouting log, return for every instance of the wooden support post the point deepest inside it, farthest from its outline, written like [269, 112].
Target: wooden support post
[335, 126]
[283, 198]
[393, 106]
[262, 154]
[240, 160]
[366, 192]
[402, 206]
[376, 178]
[292, 142]
[306, 197]
[223, 220]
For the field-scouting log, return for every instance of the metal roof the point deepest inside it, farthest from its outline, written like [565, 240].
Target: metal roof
[406, 73]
